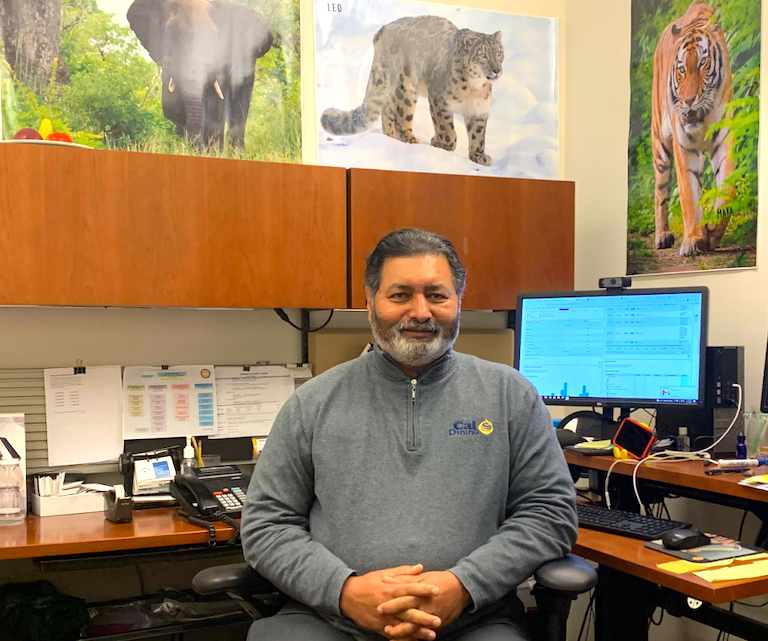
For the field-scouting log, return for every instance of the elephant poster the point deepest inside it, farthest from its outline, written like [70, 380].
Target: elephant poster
[427, 87]
[693, 135]
[202, 77]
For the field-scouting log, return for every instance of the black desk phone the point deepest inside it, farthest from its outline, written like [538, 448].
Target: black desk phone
[210, 492]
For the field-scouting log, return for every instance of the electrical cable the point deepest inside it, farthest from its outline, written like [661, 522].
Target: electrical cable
[753, 605]
[205, 524]
[672, 457]
[741, 527]
[284, 317]
[141, 579]
[586, 614]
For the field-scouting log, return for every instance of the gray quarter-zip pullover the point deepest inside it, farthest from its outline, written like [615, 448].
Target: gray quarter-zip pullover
[458, 469]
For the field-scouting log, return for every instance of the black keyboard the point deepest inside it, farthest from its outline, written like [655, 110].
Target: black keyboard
[637, 526]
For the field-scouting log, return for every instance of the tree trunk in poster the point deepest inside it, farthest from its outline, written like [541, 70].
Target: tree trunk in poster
[31, 32]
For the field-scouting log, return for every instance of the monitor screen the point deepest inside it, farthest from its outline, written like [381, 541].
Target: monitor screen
[636, 348]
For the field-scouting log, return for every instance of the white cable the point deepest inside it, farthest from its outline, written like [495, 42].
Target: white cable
[608, 478]
[682, 456]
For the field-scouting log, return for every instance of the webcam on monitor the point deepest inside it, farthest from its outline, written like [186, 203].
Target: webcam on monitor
[615, 282]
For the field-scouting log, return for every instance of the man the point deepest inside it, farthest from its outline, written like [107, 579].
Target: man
[405, 494]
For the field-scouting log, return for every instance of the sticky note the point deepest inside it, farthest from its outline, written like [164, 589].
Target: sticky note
[735, 573]
[683, 566]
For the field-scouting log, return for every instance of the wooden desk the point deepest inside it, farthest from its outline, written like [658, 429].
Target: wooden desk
[686, 474]
[627, 592]
[631, 556]
[92, 533]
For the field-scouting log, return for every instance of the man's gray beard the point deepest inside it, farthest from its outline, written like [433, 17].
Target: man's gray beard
[413, 352]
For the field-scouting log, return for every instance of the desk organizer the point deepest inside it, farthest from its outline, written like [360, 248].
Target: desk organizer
[75, 504]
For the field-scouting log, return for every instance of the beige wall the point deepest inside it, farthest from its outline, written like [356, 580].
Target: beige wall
[597, 35]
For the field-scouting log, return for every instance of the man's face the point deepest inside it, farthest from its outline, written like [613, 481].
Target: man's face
[415, 314]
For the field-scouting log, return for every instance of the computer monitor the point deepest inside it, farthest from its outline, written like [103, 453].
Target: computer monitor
[626, 349]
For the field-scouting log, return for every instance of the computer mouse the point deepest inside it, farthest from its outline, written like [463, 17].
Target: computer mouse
[684, 539]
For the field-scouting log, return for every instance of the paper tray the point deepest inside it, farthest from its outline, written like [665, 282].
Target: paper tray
[75, 504]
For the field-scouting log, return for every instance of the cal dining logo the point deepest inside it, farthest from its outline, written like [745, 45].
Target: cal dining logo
[471, 428]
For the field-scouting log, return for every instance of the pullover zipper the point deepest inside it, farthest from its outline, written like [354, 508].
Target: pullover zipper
[412, 436]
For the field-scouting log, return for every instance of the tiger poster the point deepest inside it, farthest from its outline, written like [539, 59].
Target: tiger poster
[417, 86]
[693, 135]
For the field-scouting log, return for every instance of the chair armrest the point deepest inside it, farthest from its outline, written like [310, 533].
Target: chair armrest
[571, 575]
[235, 577]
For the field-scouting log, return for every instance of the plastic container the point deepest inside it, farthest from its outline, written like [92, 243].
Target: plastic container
[683, 440]
[755, 432]
[188, 461]
[13, 507]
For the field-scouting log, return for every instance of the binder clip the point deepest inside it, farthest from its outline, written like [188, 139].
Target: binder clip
[246, 368]
[79, 367]
[164, 366]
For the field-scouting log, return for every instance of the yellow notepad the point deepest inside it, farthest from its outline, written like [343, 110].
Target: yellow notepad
[683, 566]
[735, 572]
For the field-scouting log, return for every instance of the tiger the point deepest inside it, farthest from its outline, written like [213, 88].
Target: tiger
[691, 85]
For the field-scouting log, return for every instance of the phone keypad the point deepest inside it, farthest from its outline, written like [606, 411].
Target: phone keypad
[230, 499]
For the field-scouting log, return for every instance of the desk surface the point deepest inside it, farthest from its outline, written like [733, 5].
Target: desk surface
[682, 474]
[163, 527]
[631, 556]
[91, 532]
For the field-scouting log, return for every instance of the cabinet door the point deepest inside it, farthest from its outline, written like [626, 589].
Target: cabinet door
[512, 235]
[86, 227]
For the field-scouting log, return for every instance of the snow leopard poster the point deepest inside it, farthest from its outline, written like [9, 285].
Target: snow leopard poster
[418, 86]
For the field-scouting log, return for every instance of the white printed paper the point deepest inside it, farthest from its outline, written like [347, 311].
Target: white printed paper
[177, 401]
[82, 415]
[249, 401]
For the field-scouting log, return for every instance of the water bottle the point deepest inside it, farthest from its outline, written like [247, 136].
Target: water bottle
[754, 424]
[683, 440]
[13, 507]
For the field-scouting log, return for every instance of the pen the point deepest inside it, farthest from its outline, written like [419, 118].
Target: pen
[724, 470]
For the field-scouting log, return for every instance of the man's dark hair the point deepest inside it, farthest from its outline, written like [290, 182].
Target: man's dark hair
[413, 241]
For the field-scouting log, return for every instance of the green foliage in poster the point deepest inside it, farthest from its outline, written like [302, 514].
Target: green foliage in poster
[740, 21]
[105, 91]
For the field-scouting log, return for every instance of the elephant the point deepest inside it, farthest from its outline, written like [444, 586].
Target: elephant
[207, 51]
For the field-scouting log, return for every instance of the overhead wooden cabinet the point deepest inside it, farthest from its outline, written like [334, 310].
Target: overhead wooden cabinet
[85, 227]
[512, 235]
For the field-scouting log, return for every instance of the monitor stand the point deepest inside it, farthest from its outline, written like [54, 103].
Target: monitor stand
[599, 426]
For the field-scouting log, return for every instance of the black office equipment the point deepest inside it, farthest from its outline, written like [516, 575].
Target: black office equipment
[684, 539]
[617, 348]
[724, 366]
[558, 583]
[637, 526]
[210, 492]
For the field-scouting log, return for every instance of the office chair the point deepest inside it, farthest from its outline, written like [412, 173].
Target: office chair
[558, 583]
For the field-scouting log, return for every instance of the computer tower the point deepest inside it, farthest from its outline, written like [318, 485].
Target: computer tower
[724, 366]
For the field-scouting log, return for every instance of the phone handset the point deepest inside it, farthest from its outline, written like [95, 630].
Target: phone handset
[200, 506]
[193, 496]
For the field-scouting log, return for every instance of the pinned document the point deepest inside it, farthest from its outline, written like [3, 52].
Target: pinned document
[250, 398]
[82, 414]
[169, 401]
